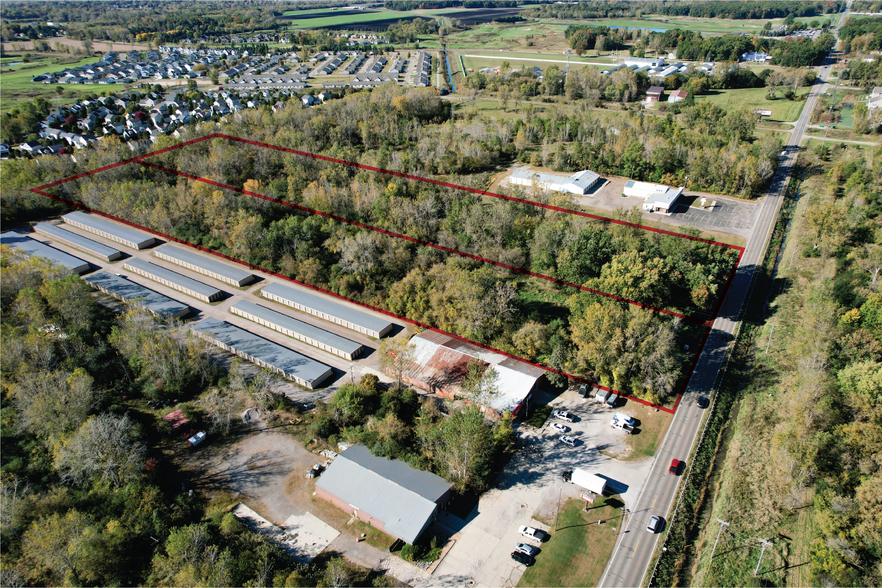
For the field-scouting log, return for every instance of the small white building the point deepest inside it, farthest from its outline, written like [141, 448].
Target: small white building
[578, 183]
[874, 101]
[755, 57]
[657, 198]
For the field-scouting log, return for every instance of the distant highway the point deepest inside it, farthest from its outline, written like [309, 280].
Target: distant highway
[635, 546]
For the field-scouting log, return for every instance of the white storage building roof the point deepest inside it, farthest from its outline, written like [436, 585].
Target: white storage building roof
[172, 279]
[294, 366]
[298, 329]
[204, 265]
[328, 310]
[109, 230]
[78, 241]
[36, 248]
[124, 289]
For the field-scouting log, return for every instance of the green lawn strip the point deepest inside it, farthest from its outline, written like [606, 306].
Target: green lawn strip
[783, 110]
[577, 552]
[533, 55]
[477, 63]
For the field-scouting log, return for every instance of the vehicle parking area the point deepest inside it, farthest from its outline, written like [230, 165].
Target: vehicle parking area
[530, 490]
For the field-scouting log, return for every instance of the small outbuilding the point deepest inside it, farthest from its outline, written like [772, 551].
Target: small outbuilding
[578, 183]
[678, 96]
[387, 494]
[654, 94]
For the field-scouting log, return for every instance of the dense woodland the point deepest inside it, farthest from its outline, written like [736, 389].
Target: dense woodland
[152, 21]
[734, 10]
[862, 34]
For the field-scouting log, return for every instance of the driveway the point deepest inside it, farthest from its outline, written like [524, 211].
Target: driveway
[529, 486]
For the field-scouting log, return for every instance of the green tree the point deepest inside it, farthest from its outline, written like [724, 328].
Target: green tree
[397, 356]
[56, 546]
[480, 383]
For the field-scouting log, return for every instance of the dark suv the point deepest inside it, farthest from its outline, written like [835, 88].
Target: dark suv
[522, 558]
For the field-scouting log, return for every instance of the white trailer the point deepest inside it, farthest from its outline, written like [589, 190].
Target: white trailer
[591, 482]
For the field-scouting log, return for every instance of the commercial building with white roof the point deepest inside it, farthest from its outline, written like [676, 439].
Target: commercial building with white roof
[298, 329]
[328, 310]
[441, 361]
[34, 248]
[205, 265]
[109, 230]
[292, 365]
[77, 241]
[128, 291]
[578, 183]
[173, 280]
[657, 198]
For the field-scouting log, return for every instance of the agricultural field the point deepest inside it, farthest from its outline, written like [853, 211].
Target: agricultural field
[476, 63]
[782, 110]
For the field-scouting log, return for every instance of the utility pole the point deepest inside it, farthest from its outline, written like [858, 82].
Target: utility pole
[567, 76]
[765, 544]
[770, 337]
[723, 525]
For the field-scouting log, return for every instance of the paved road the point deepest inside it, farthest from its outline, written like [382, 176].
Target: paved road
[634, 549]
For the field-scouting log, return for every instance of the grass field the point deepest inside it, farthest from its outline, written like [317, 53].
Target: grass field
[704, 25]
[577, 552]
[16, 85]
[476, 63]
[782, 110]
[311, 19]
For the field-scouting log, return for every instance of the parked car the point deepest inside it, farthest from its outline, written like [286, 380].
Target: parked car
[617, 424]
[560, 427]
[655, 523]
[526, 549]
[675, 466]
[583, 390]
[567, 440]
[630, 421]
[562, 415]
[612, 400]
[702, 402]
[522, 558]
[531, 532]
[567, 476]
[196, 439]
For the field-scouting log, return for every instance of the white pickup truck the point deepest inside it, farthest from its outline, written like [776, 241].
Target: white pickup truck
[619, 424]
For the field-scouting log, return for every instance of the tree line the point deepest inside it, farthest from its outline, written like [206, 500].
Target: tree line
[731, 10]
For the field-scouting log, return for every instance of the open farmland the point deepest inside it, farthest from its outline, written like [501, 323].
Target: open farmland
[18, 87]
[782, 110]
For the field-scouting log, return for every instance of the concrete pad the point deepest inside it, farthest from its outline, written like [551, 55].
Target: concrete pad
[310, 533]
[299, 552]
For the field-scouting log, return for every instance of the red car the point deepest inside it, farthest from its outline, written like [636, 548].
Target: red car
[675, 466]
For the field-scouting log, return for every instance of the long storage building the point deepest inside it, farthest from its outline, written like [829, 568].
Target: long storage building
[109, 230]
[296, 367]
[204, 265]
[298, 329]
[76, 241]
[328, 310]
[126, 290]
[35, 248]
[173, 280]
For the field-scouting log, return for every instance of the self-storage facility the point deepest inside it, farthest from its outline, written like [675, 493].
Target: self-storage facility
[328, 310]
[35, 248]
[76, 241]
[296, 367]
[109, 230]
[126, 290]
[298, 329]
[173, 280]
[204, 265]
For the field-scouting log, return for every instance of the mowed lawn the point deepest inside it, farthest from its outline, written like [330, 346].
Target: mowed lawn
[783, 110]
[704, 25]
[577, 552]
[16, 85]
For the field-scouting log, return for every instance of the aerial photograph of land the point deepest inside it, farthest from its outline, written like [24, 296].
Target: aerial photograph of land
[441, 293]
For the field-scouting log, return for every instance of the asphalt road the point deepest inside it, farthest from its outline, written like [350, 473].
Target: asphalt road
[633, 552]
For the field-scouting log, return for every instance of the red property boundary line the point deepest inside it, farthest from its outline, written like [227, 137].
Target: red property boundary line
[140, 160]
